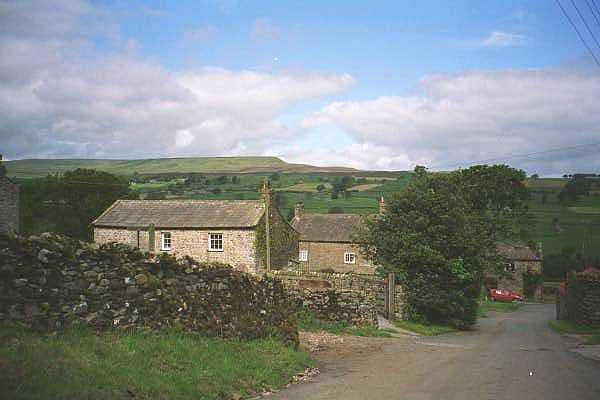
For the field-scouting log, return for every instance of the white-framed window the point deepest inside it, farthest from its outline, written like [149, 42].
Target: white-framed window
[165, 240]
[215, 242]
[510, 267]
[349, 258]
[303, 255]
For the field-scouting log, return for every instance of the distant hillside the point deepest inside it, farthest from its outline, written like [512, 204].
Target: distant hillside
[216, 165]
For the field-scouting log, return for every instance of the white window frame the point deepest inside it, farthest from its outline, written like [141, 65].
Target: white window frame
[214, 238]
[303, 255]
[349, 257]
[166, 241]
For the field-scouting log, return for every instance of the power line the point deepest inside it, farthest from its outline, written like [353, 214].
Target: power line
[577, 31]
[593, 12]
[596, 7]
[585, 23]
[525, 155]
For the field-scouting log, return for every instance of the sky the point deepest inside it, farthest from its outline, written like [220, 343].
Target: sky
[380, 85]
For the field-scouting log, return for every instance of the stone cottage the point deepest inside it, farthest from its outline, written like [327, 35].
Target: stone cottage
[9, 205]
[519, 259]
[226, 231]
[328, 242]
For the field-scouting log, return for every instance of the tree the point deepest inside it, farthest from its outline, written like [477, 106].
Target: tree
[275, 176]
[320, 187]
[235, 179]
[439, 237]
[68, 204]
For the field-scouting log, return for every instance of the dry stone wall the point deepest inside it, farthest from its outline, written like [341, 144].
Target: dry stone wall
[50, 282]
[9, 207]
[361, 297]
[583, 298]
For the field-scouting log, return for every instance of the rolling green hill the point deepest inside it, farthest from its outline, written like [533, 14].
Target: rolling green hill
[30, 168]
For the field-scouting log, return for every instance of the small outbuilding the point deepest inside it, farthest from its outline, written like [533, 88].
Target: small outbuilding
[521, 261]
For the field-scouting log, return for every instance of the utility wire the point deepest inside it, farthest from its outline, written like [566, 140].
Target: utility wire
[596, 7]
[593, 12]
[586, 24]
[525, 155]
[578, 33]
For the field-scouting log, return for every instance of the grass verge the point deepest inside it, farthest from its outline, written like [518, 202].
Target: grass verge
[309, 322]
[80, 364]
[486, 306]
[425, 329]
[564, 326]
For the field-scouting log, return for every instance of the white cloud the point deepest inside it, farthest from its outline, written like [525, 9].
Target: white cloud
[61, 97]
[472, 116]
[504, 39]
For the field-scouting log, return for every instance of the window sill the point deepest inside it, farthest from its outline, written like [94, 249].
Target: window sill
[215, 251]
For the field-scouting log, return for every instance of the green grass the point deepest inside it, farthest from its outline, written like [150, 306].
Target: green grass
[593, 339]
[310, 323]
[578, 226]
[486, 306]
[41, 167]
[170, 365]
[425, 329]
[564, 326]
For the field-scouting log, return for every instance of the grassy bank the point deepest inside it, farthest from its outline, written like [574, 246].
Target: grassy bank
[590, 335]
[486, 306]
[425, 329]
[80, 364]
[310, 323]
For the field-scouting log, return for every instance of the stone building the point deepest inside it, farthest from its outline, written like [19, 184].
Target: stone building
[226, 231]
[328, 242]
[9, 206]
[520, 259]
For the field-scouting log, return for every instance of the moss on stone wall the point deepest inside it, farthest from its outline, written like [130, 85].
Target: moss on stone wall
[50, 282]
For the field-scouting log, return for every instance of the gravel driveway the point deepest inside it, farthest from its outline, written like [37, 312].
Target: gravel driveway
[509, 356]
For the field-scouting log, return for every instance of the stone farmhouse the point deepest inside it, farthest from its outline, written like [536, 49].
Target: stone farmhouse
[520, 258]
[328, 242]
[226, 231]
[9, 205]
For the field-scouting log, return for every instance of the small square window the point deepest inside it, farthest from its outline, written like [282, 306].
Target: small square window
[165, 241]
[303, 255]
[510, 267]
[215, 241]
[349, 258]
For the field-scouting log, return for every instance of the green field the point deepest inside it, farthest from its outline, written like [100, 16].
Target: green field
[559, 227]
[213, 165]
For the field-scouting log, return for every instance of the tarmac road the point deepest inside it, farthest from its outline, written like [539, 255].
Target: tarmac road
[509, 356]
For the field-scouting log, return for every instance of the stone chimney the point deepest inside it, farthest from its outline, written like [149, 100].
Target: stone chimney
[299, 210]
[381, 205]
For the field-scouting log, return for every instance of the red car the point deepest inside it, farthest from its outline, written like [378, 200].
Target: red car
[505, 295]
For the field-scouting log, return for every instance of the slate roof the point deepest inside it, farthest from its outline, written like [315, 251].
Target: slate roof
[518, 252]
[182, 214]
[339, 228]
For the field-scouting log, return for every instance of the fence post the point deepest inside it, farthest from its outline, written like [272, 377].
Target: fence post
[390, 297]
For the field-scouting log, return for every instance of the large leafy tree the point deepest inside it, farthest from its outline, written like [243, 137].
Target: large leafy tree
[69, 203]
[439, 236]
